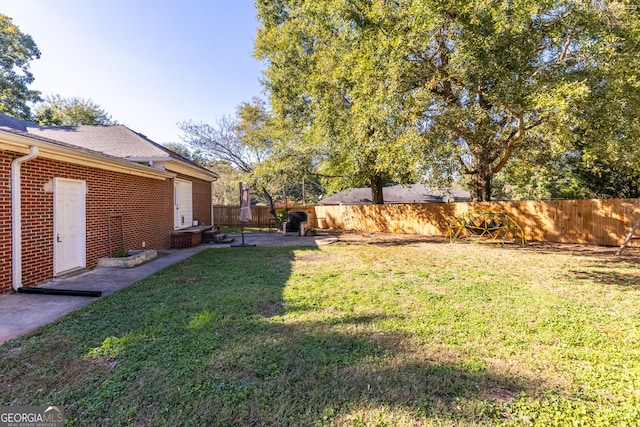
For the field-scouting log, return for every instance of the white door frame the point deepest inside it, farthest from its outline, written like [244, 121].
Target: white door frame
[180, 185]
[81, 221]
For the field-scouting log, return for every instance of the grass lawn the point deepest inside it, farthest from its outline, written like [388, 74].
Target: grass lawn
[357, 335]
[248, 230]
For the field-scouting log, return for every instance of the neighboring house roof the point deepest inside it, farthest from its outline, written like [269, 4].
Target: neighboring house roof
[414, 193]
[113, 141]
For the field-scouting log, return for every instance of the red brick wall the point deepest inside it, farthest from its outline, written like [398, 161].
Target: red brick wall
[201, 200]
[145, 206]
[5, 221]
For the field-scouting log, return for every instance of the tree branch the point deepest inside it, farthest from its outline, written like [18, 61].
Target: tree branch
[465, 168]
[515, 136]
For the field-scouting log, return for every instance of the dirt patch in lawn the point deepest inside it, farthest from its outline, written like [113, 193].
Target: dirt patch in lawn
[311, 257]
[630, 254]
[603, 252]
[271, 309]
[382, 239]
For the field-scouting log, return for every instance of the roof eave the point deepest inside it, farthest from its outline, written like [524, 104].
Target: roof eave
[20, 144]
[179, 166]
[195, 171]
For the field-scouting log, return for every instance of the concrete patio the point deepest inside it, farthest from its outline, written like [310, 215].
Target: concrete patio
[23, 313]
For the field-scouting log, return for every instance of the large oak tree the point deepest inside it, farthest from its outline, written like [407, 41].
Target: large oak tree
[17, 50]
[57, 110]
[434, 89]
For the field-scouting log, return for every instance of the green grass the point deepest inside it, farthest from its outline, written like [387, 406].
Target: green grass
[389, 335]
[248, 230]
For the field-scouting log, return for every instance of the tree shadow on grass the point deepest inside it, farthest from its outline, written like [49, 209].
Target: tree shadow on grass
[208, 342]
[385, 238]
[298, 374]
[628, 281]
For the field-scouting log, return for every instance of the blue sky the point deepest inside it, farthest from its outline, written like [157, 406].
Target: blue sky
[150, 64]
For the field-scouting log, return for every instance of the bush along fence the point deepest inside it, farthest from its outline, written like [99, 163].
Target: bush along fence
[604, 222]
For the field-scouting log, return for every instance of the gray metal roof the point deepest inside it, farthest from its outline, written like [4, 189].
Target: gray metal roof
[414, 193]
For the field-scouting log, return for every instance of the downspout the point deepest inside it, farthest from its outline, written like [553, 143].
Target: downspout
[16, 217]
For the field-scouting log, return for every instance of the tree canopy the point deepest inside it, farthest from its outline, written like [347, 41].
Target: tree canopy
[17, 50]
[225, 190]
[252, 145]
[418, 90]
[57, 110]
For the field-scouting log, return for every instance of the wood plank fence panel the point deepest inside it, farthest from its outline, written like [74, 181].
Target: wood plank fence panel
[260, 216]
[599, 221]
[230, 216]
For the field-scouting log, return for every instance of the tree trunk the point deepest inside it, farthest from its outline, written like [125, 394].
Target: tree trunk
[481, 183]
[272, 208]
[377, 197]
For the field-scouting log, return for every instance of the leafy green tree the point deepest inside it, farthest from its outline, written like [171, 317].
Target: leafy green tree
[326, 79]
[225, 188]
[251, 145]
[16, 51]
[196, 156]
[609, 178]
[607, 131]
[573, 174]
[433, 90]
[56, 110]
[539, 173]
[599, 156]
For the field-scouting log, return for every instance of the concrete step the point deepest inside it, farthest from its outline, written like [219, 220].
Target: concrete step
[219, 238]
[208, 236]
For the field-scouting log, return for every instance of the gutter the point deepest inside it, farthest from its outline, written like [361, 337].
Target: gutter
[56, 150]
[16, 217]
[173, 164]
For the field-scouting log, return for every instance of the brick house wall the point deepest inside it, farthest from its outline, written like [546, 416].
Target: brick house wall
[201, 192]
[5, 221]
[143, 206]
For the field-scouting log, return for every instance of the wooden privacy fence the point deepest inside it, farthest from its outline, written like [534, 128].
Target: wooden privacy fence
[599, 222]
[230, 215]
[603, 222]
[260, 216]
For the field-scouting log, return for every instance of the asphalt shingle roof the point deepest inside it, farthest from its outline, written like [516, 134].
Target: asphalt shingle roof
[11, 123]
[113, 141]
[117, 141]
[20, 127]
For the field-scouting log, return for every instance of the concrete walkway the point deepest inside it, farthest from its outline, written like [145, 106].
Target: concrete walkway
[22, 313]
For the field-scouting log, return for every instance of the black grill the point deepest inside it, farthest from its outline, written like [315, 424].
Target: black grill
[295, 218]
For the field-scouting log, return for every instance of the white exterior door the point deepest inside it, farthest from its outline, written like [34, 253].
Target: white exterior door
[69, 225]
[182, 201]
